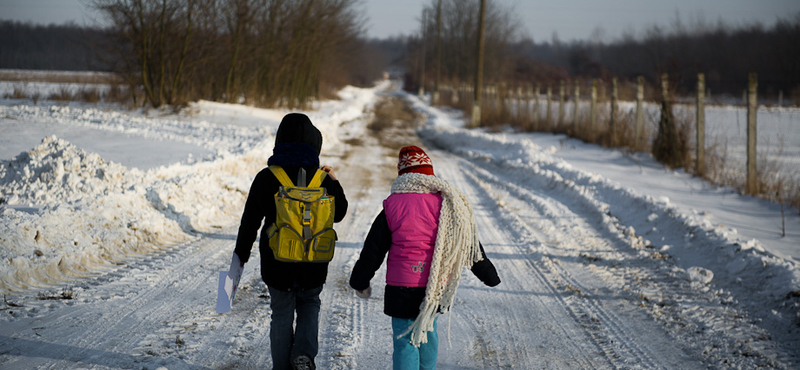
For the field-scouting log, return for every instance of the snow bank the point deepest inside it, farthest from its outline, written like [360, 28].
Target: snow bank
[654, 217]
[67, 213]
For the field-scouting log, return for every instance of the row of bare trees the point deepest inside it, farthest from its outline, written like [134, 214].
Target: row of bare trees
[724, 53]
[445, 47]
[260, 52]
[48, 47]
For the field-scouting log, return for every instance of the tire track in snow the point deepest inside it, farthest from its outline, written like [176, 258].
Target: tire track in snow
[568, 346]
[348, 324]
[706, 322]
[609, 330]
[619, 340]
[144, 297]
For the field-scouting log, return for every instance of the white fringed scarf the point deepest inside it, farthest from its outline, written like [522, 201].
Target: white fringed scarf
[456, 247]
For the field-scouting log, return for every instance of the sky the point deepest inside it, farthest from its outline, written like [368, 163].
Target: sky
[541, 19]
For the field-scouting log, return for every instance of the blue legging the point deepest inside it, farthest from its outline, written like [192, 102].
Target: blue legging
[408, 357]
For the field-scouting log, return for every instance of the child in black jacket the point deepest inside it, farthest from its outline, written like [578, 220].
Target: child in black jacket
[294, 287]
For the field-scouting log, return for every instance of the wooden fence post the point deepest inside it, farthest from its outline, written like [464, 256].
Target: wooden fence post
[700, 157]
[549, 116]
[666, 147]
[494, 92]
[613, 120]
[576, 100]
[561, 93]
[528, 104]
[593, 112]
[536, 115]
[752, 107]
[637, 135]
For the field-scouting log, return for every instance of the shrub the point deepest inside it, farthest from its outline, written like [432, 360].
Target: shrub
[63, 94]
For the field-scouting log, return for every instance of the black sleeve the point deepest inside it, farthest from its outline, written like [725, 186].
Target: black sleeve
[335, 189]
[485, 271]
[256, 209]
[377, 244]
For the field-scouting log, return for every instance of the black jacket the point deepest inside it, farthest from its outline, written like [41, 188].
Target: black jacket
[260, 210]
[401, 302]
[260, 206]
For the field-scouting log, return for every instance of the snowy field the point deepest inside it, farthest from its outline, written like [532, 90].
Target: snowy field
[114, 225]
[778, 130]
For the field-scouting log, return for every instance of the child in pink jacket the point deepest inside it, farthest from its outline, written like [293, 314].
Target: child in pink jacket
[423, 221]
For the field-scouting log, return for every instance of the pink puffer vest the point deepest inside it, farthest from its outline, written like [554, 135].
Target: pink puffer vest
[414, 221]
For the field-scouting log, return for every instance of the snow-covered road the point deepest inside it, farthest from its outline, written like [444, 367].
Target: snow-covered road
[594, 275]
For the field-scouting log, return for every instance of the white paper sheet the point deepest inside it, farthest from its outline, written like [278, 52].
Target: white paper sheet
[228, 284]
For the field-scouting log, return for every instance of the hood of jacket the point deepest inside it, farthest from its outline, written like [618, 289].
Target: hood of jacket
[297, 128]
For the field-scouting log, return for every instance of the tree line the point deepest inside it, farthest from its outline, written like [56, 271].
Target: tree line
[725, 54]
[66, 47]
[260, 52]
[287, 53]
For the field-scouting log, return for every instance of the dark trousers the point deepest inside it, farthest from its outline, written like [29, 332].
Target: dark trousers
[287, 339]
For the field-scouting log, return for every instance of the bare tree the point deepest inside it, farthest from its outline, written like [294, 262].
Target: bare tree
[266, 51]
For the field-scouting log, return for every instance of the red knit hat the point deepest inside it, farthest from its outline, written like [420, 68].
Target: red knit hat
[413, 159]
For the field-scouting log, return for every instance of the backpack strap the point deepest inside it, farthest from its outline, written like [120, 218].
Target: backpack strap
[316, 181]
[281, 175]
[284, 179]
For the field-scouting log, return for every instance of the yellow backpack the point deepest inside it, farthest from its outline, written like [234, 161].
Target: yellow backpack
[303, 228]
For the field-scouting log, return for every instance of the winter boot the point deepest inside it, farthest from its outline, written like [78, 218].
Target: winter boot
[302, 362]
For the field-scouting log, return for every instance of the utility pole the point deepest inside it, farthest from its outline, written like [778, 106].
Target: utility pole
[435, 97]
[422, 57]
[476, 105]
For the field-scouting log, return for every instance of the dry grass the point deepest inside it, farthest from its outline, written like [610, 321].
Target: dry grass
[89, 95]
[63, 94]
[776, 182]
[59, 77]
[495, 114]
[17, 93]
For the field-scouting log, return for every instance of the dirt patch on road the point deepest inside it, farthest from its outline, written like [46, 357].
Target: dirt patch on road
[394, 124]
[370, 163]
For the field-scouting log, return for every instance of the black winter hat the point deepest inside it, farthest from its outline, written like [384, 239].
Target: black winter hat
[297, 128]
